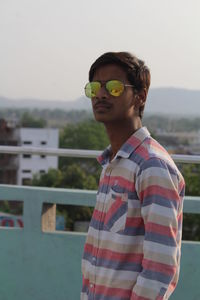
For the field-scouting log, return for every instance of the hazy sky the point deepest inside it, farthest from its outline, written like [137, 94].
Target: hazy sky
[47, 46]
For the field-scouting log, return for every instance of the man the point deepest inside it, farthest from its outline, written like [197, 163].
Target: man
[132, 250]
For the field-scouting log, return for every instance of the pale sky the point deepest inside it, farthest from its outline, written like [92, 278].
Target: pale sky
[47, 46]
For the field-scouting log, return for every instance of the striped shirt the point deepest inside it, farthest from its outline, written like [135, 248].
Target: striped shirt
[132, 250]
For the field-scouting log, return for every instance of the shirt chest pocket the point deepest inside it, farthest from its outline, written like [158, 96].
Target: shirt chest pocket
[116, 211]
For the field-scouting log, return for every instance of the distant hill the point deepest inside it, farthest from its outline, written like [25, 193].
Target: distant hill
[173, 101]
[170, 101]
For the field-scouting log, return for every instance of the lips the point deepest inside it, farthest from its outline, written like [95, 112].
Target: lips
[101, 106]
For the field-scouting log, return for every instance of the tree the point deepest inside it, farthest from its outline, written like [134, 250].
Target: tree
[191, 222]
[27, 120]
[85, 135]
[73, 172]
[72, 177]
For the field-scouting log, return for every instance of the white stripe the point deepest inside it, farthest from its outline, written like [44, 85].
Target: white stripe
[134, 204]
[127, 165]
[156, 171]
[159, 210]
[116, 275]
[115, 238]
[159, 248]
[119, 224]
[149, 283]
[84, 296]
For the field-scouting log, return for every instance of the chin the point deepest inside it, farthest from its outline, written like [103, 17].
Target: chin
[101, 119]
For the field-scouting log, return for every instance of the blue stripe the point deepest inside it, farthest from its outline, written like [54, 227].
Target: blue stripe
[102, 297]
[136, 158]
[96, 224]
[120, 212]
[85, 289]
[160, 200]
[182, 193]
[133, 196]
[133, 231]
[158, 238]
[103, 189]
[113, 264]
[153, 275]
[128, 148]
[119, 266]
[157, 162]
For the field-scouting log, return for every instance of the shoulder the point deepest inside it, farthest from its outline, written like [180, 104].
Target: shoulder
[156, 161]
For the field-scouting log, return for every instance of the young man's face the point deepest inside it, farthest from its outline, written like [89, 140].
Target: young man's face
[108, 108]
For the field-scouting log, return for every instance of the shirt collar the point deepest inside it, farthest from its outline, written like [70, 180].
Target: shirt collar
[127, 148]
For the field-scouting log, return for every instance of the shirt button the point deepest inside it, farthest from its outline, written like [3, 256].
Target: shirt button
[108, 170]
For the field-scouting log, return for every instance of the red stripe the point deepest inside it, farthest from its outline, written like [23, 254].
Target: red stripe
[135, 222]
[116, 256]
[114, 292]
[159, 267]
[112, 210]
[142, 151]
[160, 229]
[133, 141]
[85, 281]
[98, 215]
[158, 190]
[122, 182]
[136, 297]
[112, 255]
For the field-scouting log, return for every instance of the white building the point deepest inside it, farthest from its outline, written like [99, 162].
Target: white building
[32, 164]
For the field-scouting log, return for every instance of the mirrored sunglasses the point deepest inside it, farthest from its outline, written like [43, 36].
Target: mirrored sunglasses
[114, 88]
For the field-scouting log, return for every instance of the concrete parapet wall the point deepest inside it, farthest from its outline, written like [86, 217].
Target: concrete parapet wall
[39, 263]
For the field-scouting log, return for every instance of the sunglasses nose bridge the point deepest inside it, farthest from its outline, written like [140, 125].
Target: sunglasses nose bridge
[102, 91]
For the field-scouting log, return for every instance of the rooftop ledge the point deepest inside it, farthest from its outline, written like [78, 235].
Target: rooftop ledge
[38, 262]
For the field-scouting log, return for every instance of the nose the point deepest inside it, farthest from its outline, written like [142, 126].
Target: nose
[102, 92]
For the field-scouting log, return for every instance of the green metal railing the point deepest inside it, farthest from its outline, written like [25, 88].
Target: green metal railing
[39, 263]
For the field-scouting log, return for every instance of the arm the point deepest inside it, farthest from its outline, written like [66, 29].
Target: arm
[160, 188]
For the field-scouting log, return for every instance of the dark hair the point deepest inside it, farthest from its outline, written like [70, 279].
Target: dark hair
[138, 74]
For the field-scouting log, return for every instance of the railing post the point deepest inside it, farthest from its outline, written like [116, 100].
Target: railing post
[48, 217]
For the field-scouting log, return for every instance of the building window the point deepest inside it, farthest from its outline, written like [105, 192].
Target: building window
[42, 156]
[26, 181]
[43, 142]
[27, 142]
[42, 172]
[26, 171]
[26, 155]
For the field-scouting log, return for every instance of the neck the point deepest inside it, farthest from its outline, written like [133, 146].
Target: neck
[119, 133]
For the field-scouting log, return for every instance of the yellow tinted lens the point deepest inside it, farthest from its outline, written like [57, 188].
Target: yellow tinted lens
[115, 87]
[92, 88]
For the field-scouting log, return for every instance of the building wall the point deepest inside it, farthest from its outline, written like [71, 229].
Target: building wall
[32, 164]
[8, 162]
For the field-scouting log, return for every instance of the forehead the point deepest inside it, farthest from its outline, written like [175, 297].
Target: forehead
[108, 72]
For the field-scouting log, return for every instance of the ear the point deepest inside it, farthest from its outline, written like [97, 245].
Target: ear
[140, 98]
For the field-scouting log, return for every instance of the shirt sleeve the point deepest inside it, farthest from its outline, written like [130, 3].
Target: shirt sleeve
[160, 188]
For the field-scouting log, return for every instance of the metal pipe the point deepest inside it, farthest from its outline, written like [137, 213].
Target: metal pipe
[81, 153]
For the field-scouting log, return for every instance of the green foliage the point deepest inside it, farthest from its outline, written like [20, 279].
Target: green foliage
[27, 120]
[191, 222]
[51, 179]
[72, 177]
[191, 173]
[77, 173]
[85, 135]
